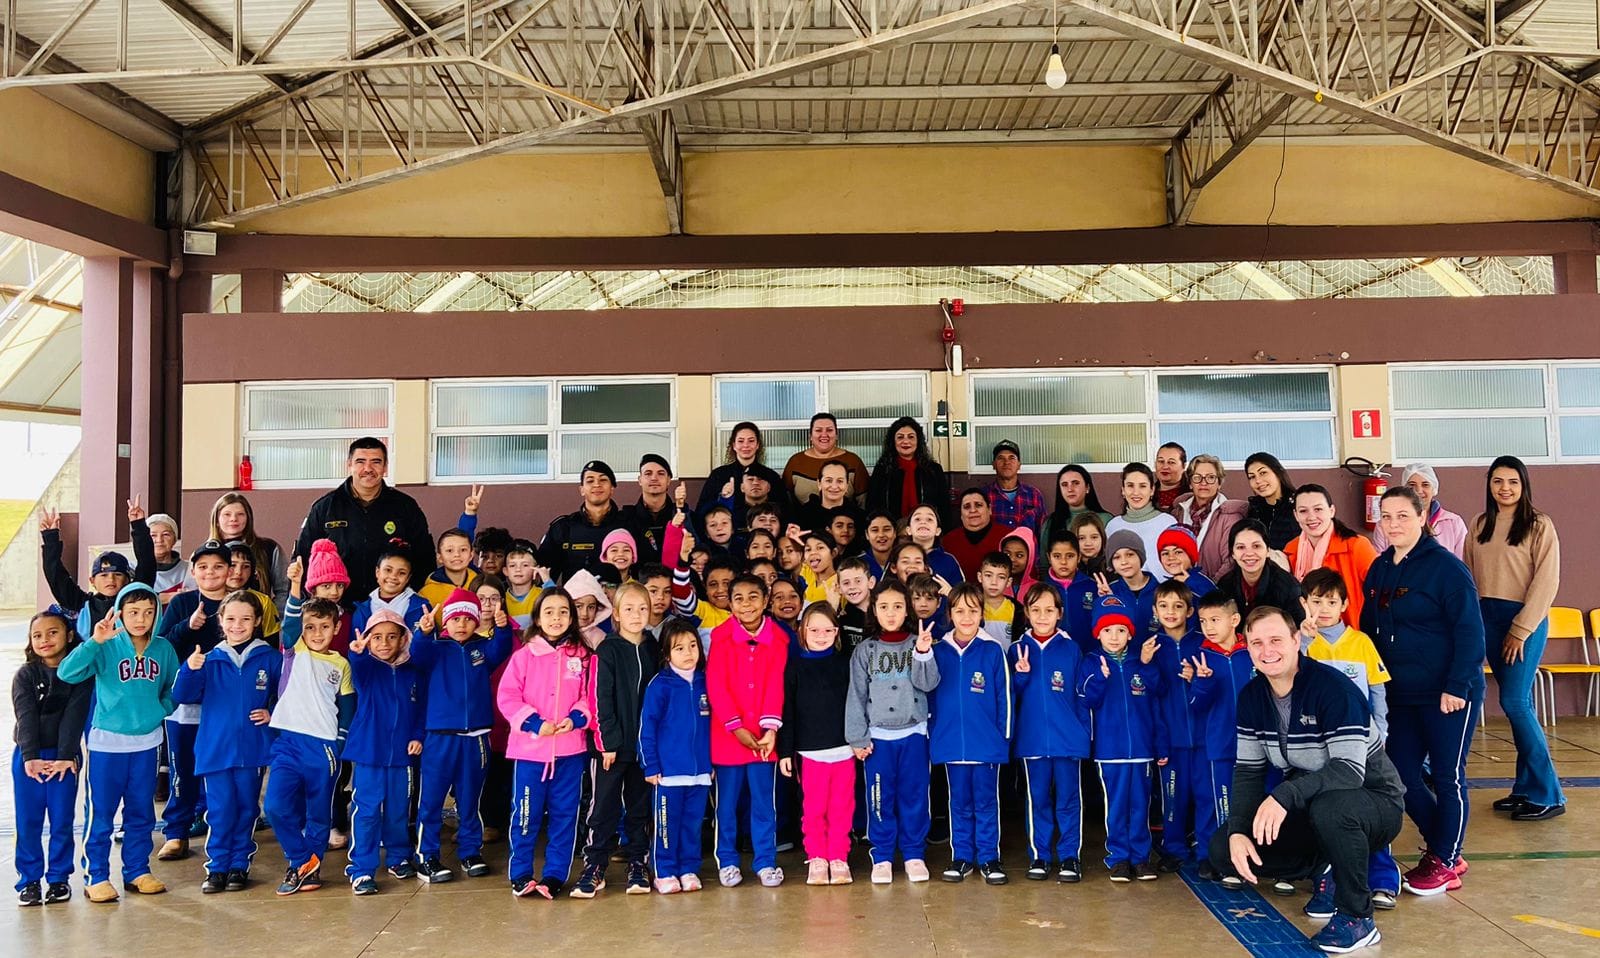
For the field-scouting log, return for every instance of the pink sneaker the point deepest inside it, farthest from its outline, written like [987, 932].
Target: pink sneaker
[1430, 877]
[668, 886]
[689, 882]
[1461, 866]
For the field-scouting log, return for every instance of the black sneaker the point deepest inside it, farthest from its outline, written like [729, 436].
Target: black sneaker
[550, 887]
[475, 866]
[432, 871]
[1510, 803]
[523, 886]
[1208, 871]
[1169, 864]
[363, 885]
[591, 882]
[237, 880]
[1284, 888]
[28, 896]
[993, 873]
[1537, 813]
[1038, 870]
[215, 882]
[1070, 872]
[957, 871]
[58, 892]
[1122, 872]
[291, 882]
[1144, 872]
[405, 871]
[638, 881]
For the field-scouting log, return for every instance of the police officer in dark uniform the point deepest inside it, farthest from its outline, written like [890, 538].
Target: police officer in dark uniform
[649, 516]
[573, 540]
[363, 515]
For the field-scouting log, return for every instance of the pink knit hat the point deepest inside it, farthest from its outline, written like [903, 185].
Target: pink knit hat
[619, 535]
[461, 602]
[325, 565]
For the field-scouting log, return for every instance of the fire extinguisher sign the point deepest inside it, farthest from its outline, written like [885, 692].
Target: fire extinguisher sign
[1366, 423]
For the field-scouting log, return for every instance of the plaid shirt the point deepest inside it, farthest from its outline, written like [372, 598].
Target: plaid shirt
[1026, 508]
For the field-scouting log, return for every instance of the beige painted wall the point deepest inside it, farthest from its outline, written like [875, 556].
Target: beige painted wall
[47, 144]
[1366, 387]
[697, 436]
[408, 460]
[210, 435]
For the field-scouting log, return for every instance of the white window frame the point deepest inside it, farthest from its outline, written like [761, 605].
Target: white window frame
[553, 427]
[721, 422]
[1466, 415]
[1557, 410]
[1151, 417]
[248, 435]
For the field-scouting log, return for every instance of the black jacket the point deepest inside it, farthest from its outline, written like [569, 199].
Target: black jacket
[362, 530]
[1282, 526]
[50, 713]
[648, 528]
[814, 691]
[1276, 588]
[572, 541]
[886, 484]
[623, 670]
[73, 597]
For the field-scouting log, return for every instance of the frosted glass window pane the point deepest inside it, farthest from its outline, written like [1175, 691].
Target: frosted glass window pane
[620, 450]
[1425, 439]
[292, 460]
[468, 456]
[779, 444]
[763, 400]
[583, 403]
[1578, 385]
[1243, 393]
[1052, 446]
[1058, 396]
[1303, 441]
[875, 398]
[1580, 436]
[351, 408]
[865, 441]
[1469, 388]
[492, 404]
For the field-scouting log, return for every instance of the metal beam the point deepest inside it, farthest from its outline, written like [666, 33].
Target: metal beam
[972, 91]
[1229, 121]
[226, 46]
[48, 47]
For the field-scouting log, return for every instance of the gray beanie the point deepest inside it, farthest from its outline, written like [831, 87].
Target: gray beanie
[1125, 539]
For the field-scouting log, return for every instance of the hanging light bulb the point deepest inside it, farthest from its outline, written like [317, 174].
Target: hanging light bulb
[1055, 72]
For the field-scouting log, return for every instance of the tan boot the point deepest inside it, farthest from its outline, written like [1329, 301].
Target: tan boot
[101, 892]
[146, 884]
[174, 850]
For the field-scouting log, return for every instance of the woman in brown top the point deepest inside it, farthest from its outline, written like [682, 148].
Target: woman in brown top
[1515, 559]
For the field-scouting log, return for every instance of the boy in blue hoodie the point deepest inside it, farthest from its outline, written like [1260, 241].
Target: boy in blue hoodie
[1176, 643]
[969, 733]
[1052, 735]
[1215, 675]
[133, 670]
[458, 665]
[384, 736]
[1121, 687]
[237, 683]
[1131, 583]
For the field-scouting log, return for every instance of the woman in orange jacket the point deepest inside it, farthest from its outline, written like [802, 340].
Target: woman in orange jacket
[1325, 542]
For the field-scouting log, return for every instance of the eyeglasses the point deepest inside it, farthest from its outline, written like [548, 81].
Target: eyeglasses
[1204, 480]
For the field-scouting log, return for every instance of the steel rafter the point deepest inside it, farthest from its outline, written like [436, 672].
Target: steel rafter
[1228, 122]
[1412, 67]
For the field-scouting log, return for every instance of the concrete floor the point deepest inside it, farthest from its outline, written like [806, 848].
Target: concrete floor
[1531, 891]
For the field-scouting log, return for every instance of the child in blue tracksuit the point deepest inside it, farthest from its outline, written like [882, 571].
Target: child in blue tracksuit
[459, 694]
[1121, 686]
[1216, 675]
[1131, 583]
[384, 736]
[315, 705]
[50, 716]
[237, 685]
[1177, 643]
[1179, 554]
[1052, 735]
[675, 756]
[969, 733]
[133, 670]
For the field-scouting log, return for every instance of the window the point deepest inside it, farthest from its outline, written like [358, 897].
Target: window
[1106, 418]
[514, 430]
[783, 406]
[1471, 413]
[298, 434]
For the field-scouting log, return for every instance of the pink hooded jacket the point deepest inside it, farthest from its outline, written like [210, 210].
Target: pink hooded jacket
[1025, 536]
[551, 683]
[580, 584]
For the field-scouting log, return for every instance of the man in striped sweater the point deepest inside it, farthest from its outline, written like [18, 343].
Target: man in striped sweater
[1340, 797]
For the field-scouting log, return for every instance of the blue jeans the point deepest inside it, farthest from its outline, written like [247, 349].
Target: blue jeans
[1536, 772]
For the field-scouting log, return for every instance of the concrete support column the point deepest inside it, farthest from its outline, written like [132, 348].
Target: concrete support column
[1575, 273]
[111, 352]
[261, 291]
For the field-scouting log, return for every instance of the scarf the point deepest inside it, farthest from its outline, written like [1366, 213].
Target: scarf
[908, 485]
[1198, 513]
[686, 674]
[398, 605]
[1142, 514]
[1310, 553]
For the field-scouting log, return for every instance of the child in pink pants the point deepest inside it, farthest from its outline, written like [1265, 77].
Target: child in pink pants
[816, 681]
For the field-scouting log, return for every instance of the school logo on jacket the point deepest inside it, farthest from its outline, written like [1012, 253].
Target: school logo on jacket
[1058, 682]
[977, 682]
[261, 680]
[138, 667]
[1308, 719]
[705, 704]
[475, 657]
[1136, 684]
[574, 666]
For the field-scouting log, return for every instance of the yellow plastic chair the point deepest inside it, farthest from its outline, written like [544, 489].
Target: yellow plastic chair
[1566, 624]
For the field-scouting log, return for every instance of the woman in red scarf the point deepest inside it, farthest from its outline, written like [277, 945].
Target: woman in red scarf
[906, 475]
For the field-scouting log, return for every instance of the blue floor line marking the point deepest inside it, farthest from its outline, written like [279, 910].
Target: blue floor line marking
[1582, 781]
[1250, 919]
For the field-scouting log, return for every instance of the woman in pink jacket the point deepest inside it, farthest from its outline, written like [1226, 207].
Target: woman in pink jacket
[547, 696]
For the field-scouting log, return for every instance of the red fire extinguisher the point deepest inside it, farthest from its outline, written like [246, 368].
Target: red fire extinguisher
[1374, 483]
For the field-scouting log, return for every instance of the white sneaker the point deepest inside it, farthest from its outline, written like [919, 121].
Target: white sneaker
[916, 869]
[730, 876]
[817, 871]
[882, 873]
[770, 877]
[839, 873]
[668, 886]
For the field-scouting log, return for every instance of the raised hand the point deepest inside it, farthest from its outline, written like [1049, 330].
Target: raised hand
[426, 623]
[925, 637]
[197, 619]
[830, 592]
[1201, 669]
[501, 621]
[1105, 667]
[358, 642]
[1147, 652]
[105, 628]
[727, 489]
[1022, 661]
[474, 499]
[135, 511]
[49, 519]
[196, 660]
[796, 533]
[680, 496]
[688, 543]
[1101, 586]
[1187, 672]
[944, 584]
[296, 571]
[541, 574]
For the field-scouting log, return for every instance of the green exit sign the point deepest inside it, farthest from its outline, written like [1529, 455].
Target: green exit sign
[949, 429]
